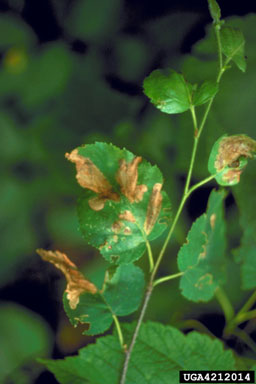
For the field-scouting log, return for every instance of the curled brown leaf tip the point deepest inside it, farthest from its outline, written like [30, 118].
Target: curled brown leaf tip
[90, 177]
[231, 148]
[154, 208]
[127, 178]
[76, 283]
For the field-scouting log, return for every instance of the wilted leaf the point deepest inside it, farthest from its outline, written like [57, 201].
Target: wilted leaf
[159, 354]
[121, 295]
[76, 283]
[123, 205]
[229, 156]
[201, 258]
[232, 45]
[168, 92]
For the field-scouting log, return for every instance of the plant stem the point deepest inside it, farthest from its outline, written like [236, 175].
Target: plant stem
[225, 304]
[151, 281]
[186, 194]
[150, 256]
[167, 278]
[119, 331]
[249, 303]
[245, 316]
[136, 332]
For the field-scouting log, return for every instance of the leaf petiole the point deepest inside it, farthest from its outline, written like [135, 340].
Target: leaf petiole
[167, 278]
[150, 256]
[119, 331]
[225, 304]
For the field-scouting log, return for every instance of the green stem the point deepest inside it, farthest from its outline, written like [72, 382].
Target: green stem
[225, 304]
[249, 303]
[167, 278]
[217, 33]
[186, 194]
[195, 324]
[150, 256]
[136, 332]
[119, 331]
[193, 155]
[245, 316]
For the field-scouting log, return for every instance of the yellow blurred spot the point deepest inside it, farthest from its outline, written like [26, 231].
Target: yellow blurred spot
[15, 60]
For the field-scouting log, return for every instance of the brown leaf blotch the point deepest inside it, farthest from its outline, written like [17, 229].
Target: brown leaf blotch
[231, 148]
[127, 178]
[90, 177]
[128, 216]
[213, 220]
[76, 283]
[117, 226]
[154, 208]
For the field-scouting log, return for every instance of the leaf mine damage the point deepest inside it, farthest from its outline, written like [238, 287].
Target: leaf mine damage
[90, 177]
[231, 157]
[154, 208]
[127, 177]
[76, 283]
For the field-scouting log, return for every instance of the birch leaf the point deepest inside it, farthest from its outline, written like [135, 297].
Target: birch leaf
[120, 295]
[229, 156]
[123, 204]
[201, 258]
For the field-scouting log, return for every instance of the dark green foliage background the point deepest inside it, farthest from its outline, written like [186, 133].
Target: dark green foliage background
[71, 73]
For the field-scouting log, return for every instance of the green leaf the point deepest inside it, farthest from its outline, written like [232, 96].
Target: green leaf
[24, 336]
[214, 10]
[203, 94]
[123, 206]
[232, 45]
[159, 354]
[201, 258]
[121, 295]
[229, 157]
[246, 255]
[168, 92]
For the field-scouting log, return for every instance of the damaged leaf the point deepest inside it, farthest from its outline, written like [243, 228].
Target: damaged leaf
[76, 283]
[90, 177]
[127, 178]
[229, 156]
[120, 295]
[123, 204]
[201, 258]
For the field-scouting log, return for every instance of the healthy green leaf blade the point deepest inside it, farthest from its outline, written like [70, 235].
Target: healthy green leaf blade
[203, 94]
[202, 257]
[214, 10]
[232, 45]
[123, 206]
[121, 295]
[246, 254]
[159, 353]
[168, 92]
[229, 156]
